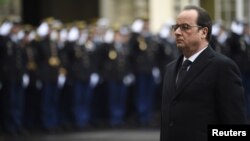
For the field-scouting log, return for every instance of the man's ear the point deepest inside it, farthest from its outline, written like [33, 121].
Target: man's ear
[204, 32]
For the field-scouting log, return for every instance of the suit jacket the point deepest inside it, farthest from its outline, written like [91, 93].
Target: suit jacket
[211, 93]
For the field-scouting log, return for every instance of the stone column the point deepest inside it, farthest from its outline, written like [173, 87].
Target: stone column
[118, 12]
[160, 11]
[239, 9]
[124, 12]
[107, 9]
[10, 9]
[141, 8]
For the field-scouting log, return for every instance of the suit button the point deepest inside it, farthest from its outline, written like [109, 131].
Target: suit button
[171, 124]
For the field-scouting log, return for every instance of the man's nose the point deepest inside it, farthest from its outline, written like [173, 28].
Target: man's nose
[177, 31]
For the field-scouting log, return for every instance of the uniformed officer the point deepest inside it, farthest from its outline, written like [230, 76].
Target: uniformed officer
[82, 69]
[238, 46]
[218, 38]
[50, 63]
[116, 72]
[245, 42]
[12, 72]
[143, 51]
[32, 109]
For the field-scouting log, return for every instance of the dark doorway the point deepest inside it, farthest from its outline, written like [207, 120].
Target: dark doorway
[31, 12]
[64, 10]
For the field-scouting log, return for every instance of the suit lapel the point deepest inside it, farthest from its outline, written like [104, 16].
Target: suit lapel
[171, 83]
[197, 66]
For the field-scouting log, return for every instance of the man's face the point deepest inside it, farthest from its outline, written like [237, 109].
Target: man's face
[188, 34]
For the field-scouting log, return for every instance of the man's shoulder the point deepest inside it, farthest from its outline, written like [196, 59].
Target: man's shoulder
[219, 57]
[222, 60]
[172, 63]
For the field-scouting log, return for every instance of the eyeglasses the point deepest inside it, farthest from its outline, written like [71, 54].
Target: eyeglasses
[184, 27]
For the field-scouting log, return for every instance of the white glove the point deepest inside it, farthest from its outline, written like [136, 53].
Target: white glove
[61, 80]
[94, 79]
[26, 80]
[156, 74]
[128, 79]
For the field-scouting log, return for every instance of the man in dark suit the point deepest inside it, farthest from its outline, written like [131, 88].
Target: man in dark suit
[210, 91]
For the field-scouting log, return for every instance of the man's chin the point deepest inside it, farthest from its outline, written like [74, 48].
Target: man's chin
[180, 46]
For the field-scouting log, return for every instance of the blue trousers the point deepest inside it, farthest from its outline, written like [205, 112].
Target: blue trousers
[82, 95]
[144, 97]
[13, 92]
[32, 105]
[117, 93]
[50, 102]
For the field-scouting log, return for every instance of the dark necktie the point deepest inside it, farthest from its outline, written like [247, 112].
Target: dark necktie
[182, 72]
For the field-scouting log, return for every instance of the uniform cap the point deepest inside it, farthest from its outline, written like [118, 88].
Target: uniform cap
[237, 27]
[109, 36]
[43, 29]
[137, 26]
[5, 28]
[73, 34]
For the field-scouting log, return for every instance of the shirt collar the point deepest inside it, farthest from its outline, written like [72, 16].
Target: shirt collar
[194, 56]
